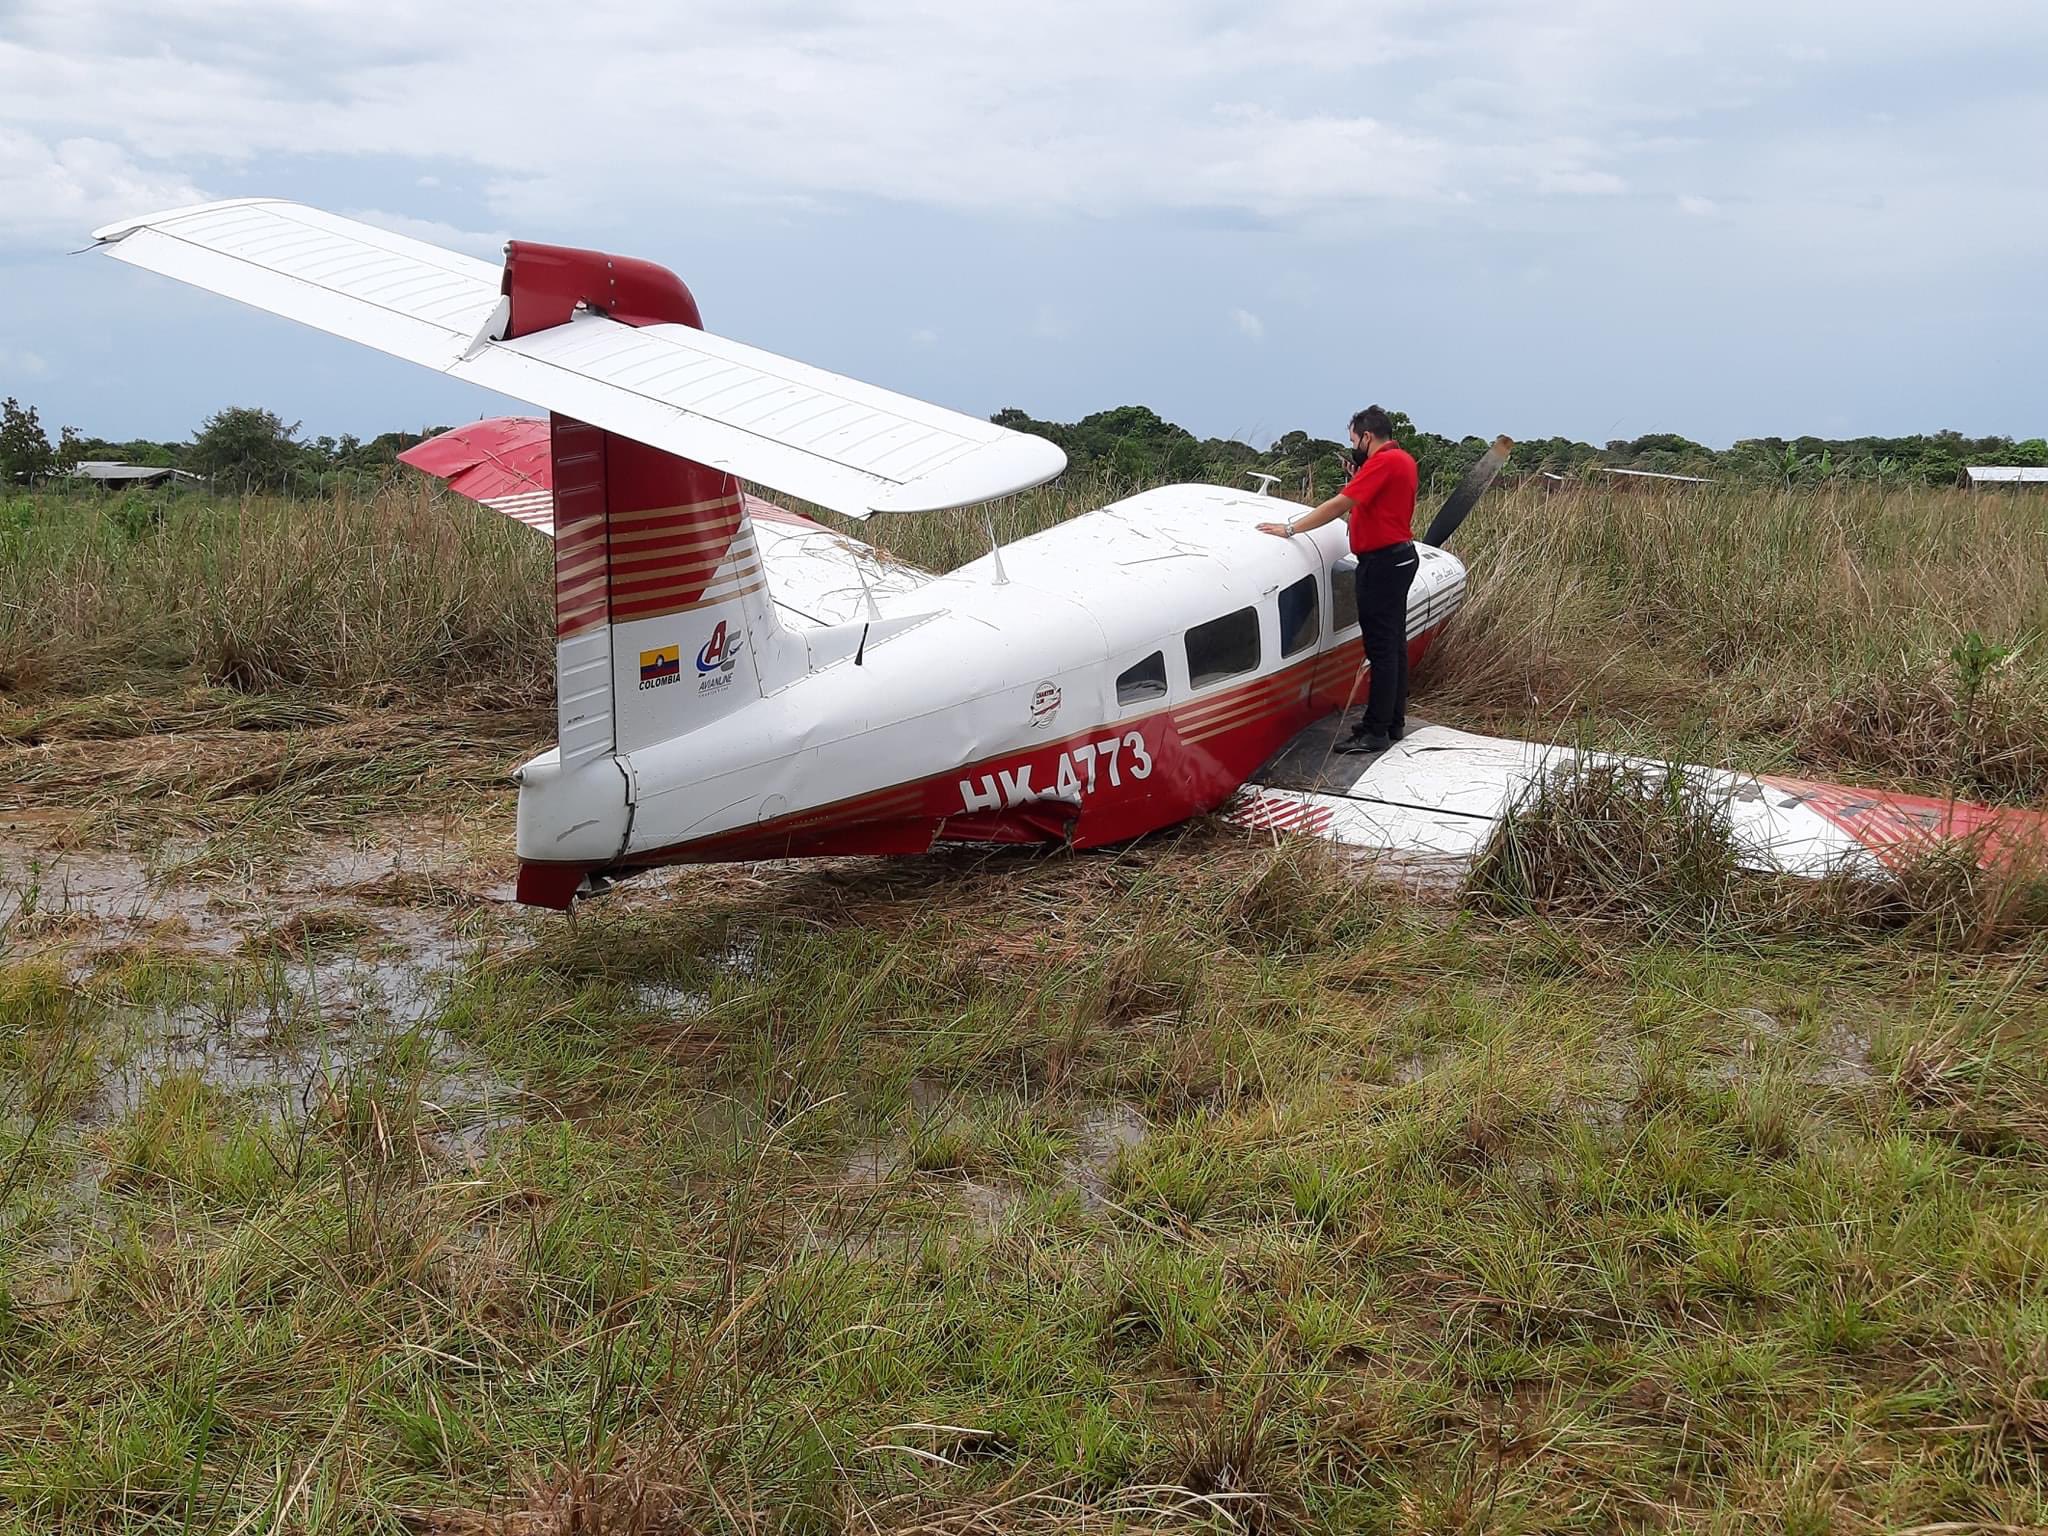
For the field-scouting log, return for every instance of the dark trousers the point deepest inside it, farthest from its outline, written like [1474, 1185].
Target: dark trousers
[1384, 577]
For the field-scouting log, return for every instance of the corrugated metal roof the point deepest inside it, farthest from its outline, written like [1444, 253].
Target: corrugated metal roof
[2007, 474]
[109, 470]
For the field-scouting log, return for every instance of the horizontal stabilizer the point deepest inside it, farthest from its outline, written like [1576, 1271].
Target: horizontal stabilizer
[813, 434]
[503, 463]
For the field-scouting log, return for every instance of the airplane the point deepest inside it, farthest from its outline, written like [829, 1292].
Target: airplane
[736, 681]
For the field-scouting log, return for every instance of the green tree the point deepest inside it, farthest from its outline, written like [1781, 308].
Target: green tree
[245, 448]
[25, 451]
[138, 450]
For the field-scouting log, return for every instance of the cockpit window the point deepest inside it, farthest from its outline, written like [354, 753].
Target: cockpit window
[1144, 682]
[1223, 647]
[1301, 616]
[1344, 595]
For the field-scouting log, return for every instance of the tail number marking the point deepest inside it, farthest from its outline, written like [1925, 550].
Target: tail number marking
[1076, 773]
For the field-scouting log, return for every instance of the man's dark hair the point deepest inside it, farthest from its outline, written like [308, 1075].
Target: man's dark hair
[1375, 420]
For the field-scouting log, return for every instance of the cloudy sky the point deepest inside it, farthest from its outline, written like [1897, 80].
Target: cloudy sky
[1593, 217]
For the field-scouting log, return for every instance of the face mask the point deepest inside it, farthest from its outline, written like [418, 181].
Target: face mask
[1358, 457]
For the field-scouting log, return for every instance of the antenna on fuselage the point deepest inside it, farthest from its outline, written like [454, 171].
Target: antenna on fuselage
[1266, 482]
[995, 550]
[860, 568]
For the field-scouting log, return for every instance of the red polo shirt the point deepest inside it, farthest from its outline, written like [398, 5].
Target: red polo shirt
[1382, 497]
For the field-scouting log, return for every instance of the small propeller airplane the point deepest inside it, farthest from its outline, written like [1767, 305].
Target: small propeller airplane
[735, 681]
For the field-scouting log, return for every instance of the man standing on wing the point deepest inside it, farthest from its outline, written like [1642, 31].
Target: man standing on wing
[1380, 501]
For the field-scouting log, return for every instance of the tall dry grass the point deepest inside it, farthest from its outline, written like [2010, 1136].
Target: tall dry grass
[1823, 629]
[407, 592]
[1644, 849]
[1816, 630]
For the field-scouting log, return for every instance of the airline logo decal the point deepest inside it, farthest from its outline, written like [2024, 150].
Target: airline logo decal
[716, 658]
[1045, 704]
[661, 666]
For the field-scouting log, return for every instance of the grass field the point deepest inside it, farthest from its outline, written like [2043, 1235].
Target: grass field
[1206, 1185]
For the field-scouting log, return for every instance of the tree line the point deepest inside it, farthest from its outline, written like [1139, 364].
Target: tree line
[238, 448]
[1134, 443]
[245, 448]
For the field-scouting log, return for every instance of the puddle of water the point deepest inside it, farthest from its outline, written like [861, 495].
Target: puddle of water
[739, 957]
[328, 968]
[1840, 1059]
[987, 1203]
[1422, 1064]
[115, 895]
[1102, 1137]
[679, 1005]
[50, 1280]
[283, 1048]
[931, 1113]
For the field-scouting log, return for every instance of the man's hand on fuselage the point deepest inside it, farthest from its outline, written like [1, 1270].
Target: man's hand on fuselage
[1328, 512]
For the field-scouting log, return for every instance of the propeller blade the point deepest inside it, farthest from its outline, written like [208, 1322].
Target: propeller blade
[1470, 489]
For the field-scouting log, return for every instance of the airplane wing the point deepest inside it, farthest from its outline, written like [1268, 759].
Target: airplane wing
[816, 435]
[1435, 799]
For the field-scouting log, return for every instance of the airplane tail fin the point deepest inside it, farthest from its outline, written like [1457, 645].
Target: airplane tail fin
[662, 613]
[661, 606]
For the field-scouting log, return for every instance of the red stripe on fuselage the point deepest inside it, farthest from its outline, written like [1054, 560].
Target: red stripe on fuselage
[1240, 728]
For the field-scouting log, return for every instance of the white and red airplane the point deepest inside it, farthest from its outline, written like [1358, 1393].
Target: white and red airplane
[735, 681]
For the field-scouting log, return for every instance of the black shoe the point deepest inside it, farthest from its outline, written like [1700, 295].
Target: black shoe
[1396, 731]
[1365, 742]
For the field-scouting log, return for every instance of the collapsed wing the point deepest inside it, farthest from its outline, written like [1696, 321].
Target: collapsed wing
[813, 434]
[1436, 798]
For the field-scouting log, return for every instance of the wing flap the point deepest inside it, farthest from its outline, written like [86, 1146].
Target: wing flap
[814, 434]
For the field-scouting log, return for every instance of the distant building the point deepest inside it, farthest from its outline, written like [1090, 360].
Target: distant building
[2016, 475]
[111, 476]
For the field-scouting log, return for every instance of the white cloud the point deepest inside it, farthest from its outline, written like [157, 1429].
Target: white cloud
[1487, 111]
[56, 191]
[1248, 324]
[924, 336]
[1698, 207]
[1050, 323]
[22, 361]
[975, 107]
[1580, 182]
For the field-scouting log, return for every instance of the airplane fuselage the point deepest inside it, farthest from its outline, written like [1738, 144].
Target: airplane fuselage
[1108, 677]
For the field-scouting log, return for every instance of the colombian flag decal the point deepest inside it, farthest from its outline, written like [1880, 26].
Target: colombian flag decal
[663, 665]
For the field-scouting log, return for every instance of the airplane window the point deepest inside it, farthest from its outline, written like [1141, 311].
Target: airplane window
[1344, 595]
[1300, 616]
[1143, 682]
[1223, 647]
